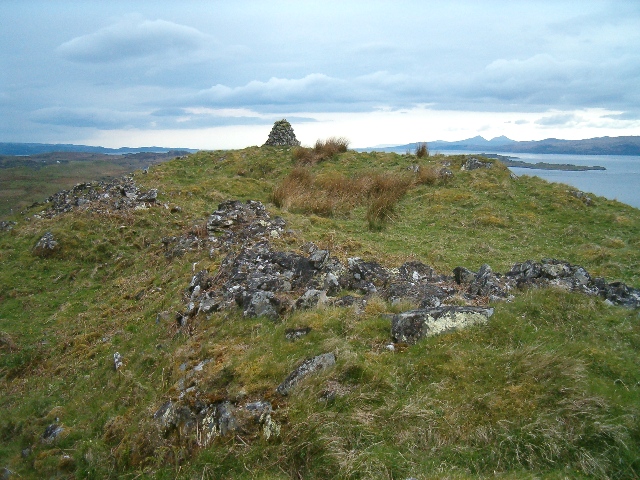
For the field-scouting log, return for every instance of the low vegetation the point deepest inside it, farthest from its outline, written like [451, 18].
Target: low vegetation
[549, 388]
[422, 150]
[335, 194]
[322, 150]
[28, 179]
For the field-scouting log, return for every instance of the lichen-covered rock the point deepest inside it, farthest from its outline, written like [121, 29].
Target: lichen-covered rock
[411, 326]
[305, 369]
[312, 298]
[261, 304]
[46, 246]
[282, 135]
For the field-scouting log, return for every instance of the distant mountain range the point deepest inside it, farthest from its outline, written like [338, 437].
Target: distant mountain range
[593, 146]
[36, 148]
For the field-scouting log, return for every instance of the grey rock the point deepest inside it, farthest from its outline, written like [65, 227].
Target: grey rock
[262, 304]
[46, 246]
[311, 299]
[296, 333]
[473, 163]
[586, 199]
[5, 473]
[331, 284]
[149, 196]
[445, 174]
[51, 433]
[6, 226]
[319, 258]
[411, 326]
[200, 280]
[202, 422]
[211, 302]
[463, 275]
[117, 361]
[178, 246]
[305, 369]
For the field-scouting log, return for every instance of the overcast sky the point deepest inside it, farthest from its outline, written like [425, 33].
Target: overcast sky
[217, 74]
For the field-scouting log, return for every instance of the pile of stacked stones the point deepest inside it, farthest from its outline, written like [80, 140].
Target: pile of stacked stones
[282, 135]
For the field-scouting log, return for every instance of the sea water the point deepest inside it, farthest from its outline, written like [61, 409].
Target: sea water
[620, 181]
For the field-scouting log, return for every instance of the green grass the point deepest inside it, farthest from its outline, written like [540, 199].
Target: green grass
[549, 388]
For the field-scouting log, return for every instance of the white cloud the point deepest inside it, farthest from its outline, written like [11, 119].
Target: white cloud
[134, 38]
[565, 119]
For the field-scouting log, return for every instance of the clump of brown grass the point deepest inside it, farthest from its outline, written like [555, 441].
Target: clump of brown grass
[427, 175]
[292, 187]
[422, 150]
[323, 150]
[335, 193]
[385, 192]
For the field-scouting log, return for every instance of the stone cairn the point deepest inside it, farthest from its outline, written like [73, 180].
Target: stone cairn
[282, 135]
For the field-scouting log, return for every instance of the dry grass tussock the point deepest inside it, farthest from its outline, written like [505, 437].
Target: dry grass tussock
[427, 175]
[322, 150]
[422, 150]
[335, 194]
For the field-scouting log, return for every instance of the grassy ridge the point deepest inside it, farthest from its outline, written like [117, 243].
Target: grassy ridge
[550, 387]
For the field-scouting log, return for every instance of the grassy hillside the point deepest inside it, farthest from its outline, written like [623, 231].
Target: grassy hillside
[549, 387]
[28, 179]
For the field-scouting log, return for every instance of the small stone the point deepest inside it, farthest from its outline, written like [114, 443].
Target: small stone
[51, 432]
[296, 333]
[117, 361]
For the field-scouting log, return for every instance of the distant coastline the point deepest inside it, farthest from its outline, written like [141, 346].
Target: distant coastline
[628, 145]
[567, 167]
[21, 149]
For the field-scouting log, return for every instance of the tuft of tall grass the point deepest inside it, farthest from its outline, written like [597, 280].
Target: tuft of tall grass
[322, 150]
[385, 192]
[427, 175]
[422, 150]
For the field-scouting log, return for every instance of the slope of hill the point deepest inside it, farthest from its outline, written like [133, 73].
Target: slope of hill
[151, 328]
[28, 179]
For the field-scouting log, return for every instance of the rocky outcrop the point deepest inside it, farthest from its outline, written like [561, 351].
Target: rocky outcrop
[473, 163]
[264, 281]
[6, 226]
[282, 135]
[549, 272]
[203, 422]
[100, 197]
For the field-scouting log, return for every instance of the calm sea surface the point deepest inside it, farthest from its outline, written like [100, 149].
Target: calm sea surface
[620, 181]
